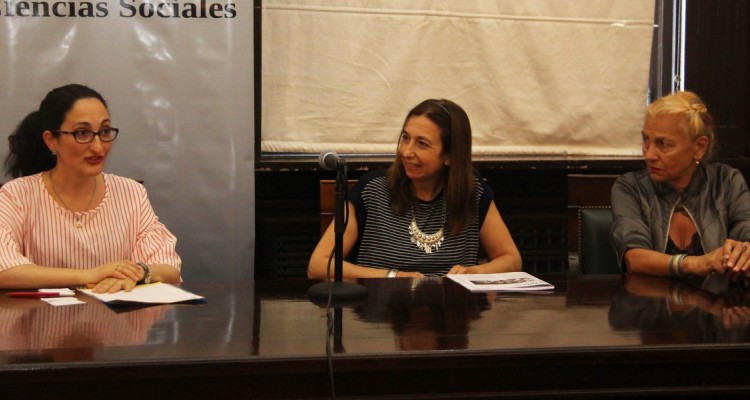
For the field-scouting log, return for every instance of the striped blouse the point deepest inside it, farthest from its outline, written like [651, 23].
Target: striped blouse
[384, 240]
[35, 229]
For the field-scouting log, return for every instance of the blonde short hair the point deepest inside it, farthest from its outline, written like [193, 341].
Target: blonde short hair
[697, 120]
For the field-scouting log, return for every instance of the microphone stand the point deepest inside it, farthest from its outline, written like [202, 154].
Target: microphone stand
[338, 290]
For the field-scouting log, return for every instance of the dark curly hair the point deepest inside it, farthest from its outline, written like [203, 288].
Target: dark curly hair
[28, 152]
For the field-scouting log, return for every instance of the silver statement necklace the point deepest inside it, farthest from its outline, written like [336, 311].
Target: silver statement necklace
[77, 215]
[424, 241]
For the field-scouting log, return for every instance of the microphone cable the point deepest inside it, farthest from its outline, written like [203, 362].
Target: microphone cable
[329, 317]
[329, 327]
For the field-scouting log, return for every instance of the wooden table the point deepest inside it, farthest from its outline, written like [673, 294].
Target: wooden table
[594, 336]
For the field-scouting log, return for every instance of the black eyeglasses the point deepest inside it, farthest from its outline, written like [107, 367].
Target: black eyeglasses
[84, 136]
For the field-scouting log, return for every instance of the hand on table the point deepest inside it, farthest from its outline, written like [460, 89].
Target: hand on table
[112, 285]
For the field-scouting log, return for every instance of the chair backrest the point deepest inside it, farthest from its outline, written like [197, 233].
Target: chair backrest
[327, 201]
[595, 252]
[585, 191]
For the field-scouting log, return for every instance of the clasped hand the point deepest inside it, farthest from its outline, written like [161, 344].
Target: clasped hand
[115, 276]
[733, 257]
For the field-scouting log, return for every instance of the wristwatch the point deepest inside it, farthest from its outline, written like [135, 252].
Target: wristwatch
[146, 274]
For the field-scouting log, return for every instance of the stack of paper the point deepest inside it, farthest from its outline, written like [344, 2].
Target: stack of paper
[503, 281]
[155, 293]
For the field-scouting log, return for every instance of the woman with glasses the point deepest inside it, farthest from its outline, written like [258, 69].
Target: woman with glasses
[428, 214]
[63, 221]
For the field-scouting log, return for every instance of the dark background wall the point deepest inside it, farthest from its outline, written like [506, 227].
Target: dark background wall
[532, 195]
[717, 64]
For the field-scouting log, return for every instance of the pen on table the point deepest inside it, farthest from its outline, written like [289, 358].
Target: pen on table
[38, 294]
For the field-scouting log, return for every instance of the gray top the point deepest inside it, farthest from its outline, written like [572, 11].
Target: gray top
[716, 199]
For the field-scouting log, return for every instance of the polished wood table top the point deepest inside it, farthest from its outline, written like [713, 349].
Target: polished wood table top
[595, 335]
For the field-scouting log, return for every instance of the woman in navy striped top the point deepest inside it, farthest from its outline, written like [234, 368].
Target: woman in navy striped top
[428, 214]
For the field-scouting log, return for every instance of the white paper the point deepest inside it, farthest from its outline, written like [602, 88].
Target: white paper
[155, 293]
[62, 301]
[503, 281]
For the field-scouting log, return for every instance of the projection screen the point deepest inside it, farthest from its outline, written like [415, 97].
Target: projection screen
[537, 77]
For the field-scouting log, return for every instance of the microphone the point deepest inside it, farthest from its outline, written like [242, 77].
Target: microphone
[329, 160]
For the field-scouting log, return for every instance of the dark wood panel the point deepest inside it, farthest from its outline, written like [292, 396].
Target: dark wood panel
[717, 61]
[327, 201]
[590, 190]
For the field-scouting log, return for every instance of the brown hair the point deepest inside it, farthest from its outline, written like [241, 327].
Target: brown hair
[455, 134]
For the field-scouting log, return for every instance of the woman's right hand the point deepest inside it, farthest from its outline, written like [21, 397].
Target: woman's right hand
[714, 261]
[733, 256]
[737, 256]
[409, 274]
[122, 269]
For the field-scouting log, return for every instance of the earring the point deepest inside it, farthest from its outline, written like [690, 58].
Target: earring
[698, 161]
[54, 153]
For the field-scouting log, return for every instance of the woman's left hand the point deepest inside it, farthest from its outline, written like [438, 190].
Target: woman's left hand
[460, 269]
[112, 285]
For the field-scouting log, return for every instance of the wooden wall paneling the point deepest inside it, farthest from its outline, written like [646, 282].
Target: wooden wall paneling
[717, 60]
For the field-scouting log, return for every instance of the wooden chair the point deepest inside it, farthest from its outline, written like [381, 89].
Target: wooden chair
[327, 200]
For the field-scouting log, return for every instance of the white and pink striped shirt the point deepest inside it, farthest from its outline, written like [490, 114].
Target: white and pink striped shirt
[34, 229]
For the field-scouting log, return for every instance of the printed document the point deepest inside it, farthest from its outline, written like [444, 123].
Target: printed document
[503, 281]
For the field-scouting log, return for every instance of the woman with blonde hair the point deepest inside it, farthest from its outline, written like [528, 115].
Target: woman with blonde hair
[681, 215]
